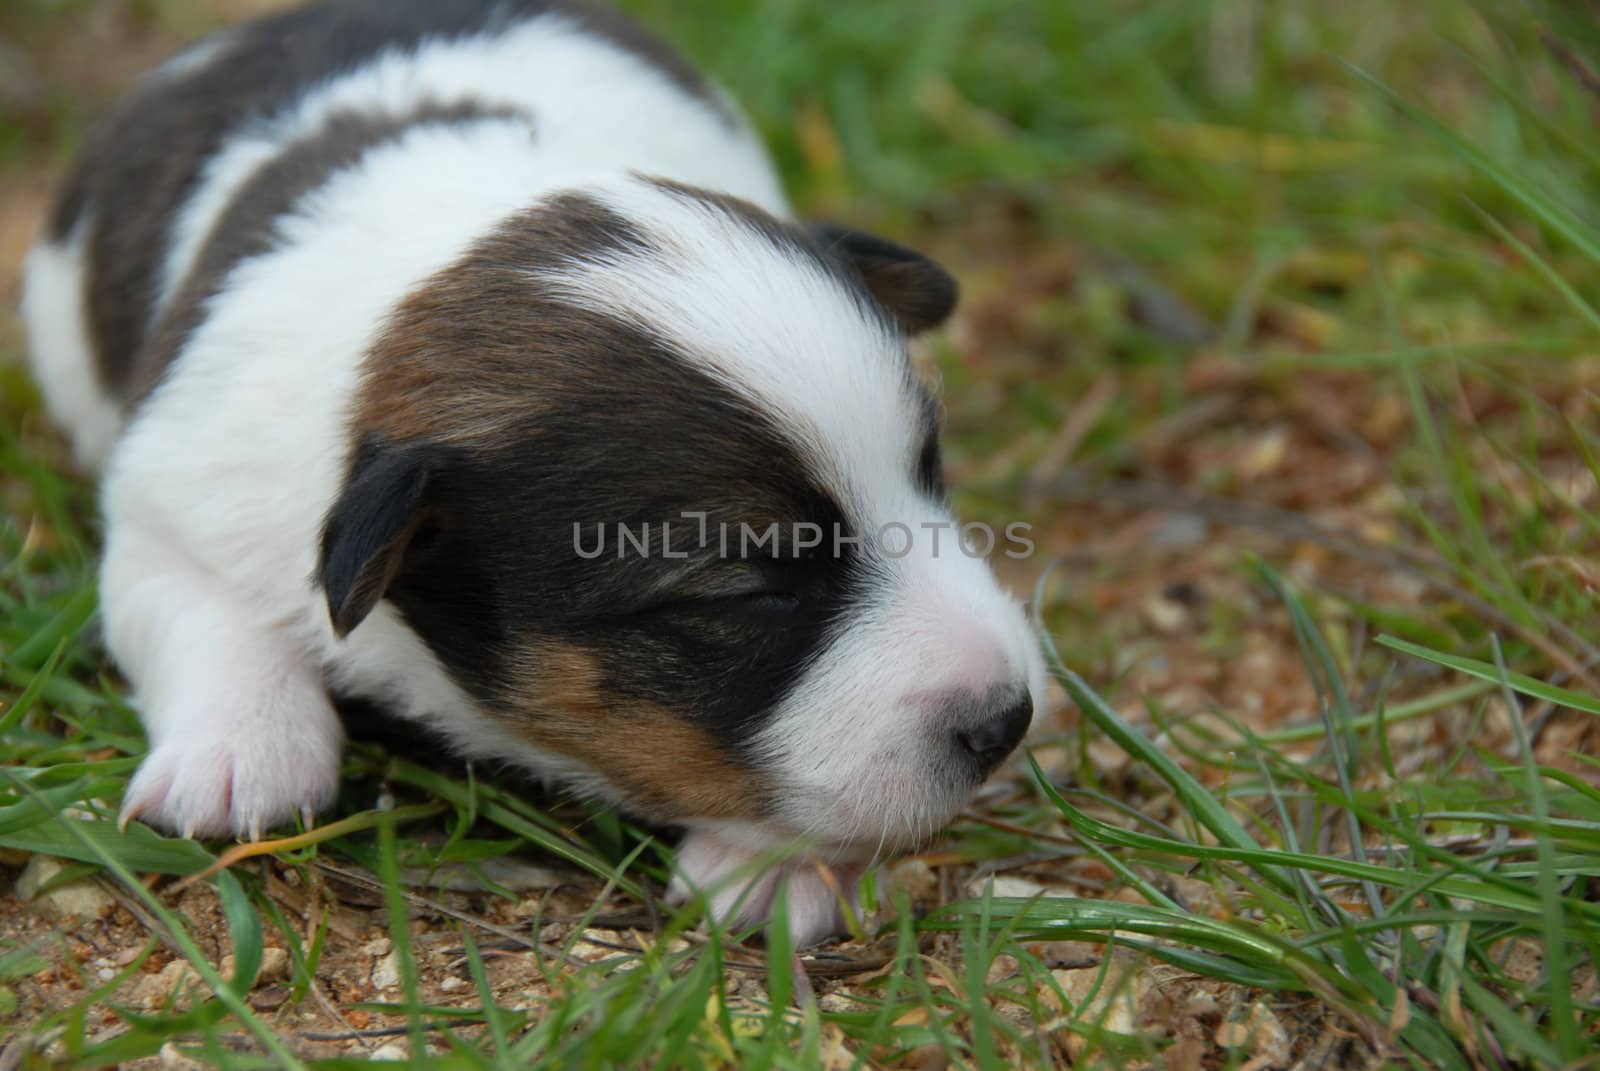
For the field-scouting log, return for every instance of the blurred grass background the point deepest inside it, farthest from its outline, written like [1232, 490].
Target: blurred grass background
[1279, 325]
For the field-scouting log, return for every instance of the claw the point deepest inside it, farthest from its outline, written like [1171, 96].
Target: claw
[308, 817]
[255, 828]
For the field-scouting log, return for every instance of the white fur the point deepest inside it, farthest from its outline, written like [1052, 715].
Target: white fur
[57, 318]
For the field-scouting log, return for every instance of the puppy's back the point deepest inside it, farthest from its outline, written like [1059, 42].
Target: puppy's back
[194, 171]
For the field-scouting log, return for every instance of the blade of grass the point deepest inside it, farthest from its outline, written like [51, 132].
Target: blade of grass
[1579, 304]
[1388, 715]
[400, 934]
[65, 626]
[1519, 682]
[244, 927]
[356, 823]
[36, 686]
[137, 848]
[1554, 215]
[1553, 917]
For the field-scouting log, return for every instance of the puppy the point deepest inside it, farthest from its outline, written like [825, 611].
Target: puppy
[378, 317]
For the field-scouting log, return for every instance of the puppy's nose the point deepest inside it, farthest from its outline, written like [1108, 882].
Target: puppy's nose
[1001, 730]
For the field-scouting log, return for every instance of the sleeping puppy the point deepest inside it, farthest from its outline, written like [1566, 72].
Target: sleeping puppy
[465, 358]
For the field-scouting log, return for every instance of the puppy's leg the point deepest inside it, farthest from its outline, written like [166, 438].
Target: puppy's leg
[742, 894]
[242, 735]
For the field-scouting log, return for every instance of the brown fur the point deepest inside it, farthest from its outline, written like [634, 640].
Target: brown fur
[463, 359]
[667, 767]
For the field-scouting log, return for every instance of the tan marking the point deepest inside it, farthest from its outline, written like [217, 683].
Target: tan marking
[669, 768]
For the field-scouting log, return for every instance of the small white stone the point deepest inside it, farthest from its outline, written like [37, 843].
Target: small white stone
[1165, 615]
[1108, 996]
[837, 1003]
[1004, 885]
[1178, 531]
[595, 945]
[1263, 1032]
[153, 990]
[82, 898]
[274, 964]
[386, 972]
[913, 876]
[173, 1060]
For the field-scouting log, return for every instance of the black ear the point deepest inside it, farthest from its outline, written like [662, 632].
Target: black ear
[366, 533]
[919, 292]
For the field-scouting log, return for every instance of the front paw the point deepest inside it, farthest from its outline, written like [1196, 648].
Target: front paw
[741, 892]
[239, 782]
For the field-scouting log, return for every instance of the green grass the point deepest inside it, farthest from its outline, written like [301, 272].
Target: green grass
[1392, 200]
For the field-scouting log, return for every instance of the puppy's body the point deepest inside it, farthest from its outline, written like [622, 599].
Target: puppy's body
[366, 309]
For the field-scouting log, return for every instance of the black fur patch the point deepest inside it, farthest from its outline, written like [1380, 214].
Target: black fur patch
[143, 162]
[365, 537]
[916, 291]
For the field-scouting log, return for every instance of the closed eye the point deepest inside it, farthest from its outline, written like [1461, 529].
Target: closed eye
[755, 604]
[736, 591]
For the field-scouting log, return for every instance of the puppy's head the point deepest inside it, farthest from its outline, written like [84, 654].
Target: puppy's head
[649, 472]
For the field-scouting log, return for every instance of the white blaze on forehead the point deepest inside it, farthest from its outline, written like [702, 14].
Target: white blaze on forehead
[772, 324]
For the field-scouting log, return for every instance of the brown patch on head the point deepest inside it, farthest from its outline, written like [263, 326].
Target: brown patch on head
[461, 360]
[666, 766]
